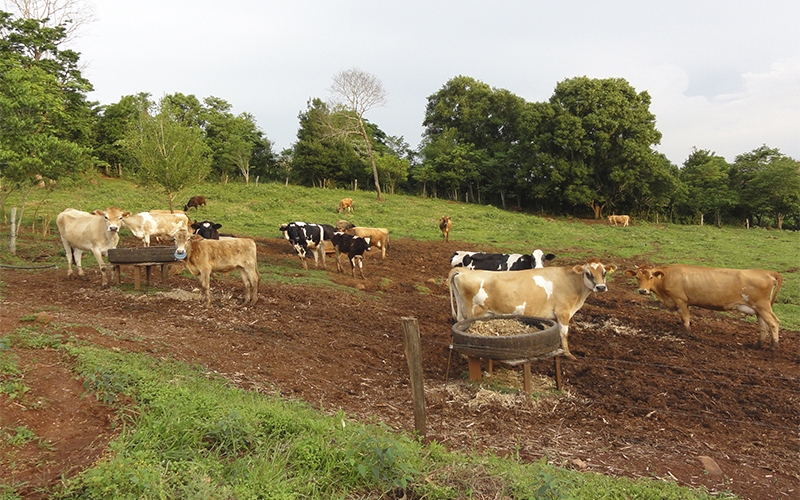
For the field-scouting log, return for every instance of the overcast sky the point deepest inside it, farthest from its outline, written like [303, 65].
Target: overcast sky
[723, 75]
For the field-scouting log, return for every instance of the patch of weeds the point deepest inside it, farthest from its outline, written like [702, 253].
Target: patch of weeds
[18, 437]
[16, 389]
[29, 317]
[422, 289]
[385, 282]
[105, 384]
[31, 338]
[548, 487]
[381, 459]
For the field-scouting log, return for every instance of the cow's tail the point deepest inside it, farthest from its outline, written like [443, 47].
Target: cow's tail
[454, 297]
[776, 287]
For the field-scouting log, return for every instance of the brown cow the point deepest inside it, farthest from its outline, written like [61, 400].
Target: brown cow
[445, 224]
[202, 257]
[196, 202]
[751, 291]
[378, 236]
[345, 205]
[551, 292]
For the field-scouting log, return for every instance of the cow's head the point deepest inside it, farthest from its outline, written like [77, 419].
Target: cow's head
[539, 258]
[645, 276]
[594, 274]
[113, 217]
[207, 229]
[183, 243]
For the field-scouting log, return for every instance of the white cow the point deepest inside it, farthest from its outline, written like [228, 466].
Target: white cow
[145, 225]
[96, 232]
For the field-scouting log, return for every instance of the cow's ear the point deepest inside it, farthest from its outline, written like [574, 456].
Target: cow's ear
[99, 212]
[126, 214]
[196, 237]
[217, 226]
[577, 269]
[630, 273]
[611, 268]
[658, 274]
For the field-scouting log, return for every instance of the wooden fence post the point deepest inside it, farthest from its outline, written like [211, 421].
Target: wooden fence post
[414, 358]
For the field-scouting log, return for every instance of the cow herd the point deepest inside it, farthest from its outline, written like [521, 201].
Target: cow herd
[481, 284]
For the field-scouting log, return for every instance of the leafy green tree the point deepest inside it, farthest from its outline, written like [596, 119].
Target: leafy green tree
[320, 158]
[470, 113]
[392, 170]
[44, 116]
[111, 128]
[600, 136]
[768, 183]
[705, 177]
[168, 154]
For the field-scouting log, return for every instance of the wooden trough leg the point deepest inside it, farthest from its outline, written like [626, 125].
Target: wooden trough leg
[164, 273]
[147, 274]
[137, 278]
[526, 377]
[115, 274]
[474, 369]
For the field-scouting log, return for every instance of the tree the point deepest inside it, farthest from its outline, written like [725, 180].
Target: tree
[359, 92]
[768, 182]
[44, 116]
[111, 128]
[705, 177]
[72, 15]
[603, 133]
[167, 153]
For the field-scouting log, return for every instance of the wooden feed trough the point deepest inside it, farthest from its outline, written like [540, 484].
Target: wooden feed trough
[141, 258]
[510, 339]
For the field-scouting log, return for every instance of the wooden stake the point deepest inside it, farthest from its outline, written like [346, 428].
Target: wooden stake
[414, 358]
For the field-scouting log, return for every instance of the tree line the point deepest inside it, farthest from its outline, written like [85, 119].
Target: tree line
[588, 150]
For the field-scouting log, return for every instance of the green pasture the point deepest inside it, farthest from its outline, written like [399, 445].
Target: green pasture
[250, 210]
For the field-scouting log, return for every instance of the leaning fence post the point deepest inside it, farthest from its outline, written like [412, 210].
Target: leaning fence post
[414, 358]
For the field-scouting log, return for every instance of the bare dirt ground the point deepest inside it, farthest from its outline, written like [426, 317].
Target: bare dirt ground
[641, 400]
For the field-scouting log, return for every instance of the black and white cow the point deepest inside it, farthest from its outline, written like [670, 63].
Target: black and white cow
[500, 261]
[354, 246]
[306, 237]
[207, 229]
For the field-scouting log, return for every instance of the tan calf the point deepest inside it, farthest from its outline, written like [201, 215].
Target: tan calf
[203, 257]
[621, 219]
[345, 205]
[445, 224]
[379, 236]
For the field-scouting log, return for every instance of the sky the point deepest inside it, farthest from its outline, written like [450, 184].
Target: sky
[723, 75]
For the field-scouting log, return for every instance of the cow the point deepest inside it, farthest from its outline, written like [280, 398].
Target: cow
[207, 229]
[552, 292]
[345, 205]
[203, 257]
[305, 237]
[445, 224]
[145, 225]
[500, 261]
[354, 247]
[196, 202]
[751, 291]
[622, 219]
[343, 225]
[379, 237]
[96, 232]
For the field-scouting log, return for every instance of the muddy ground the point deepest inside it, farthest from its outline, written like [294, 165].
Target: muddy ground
[642, 400]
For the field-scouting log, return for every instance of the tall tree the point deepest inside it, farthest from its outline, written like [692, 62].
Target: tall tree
[44, 115]
[168, 154]
[359, 92]
[603, 131]
[768, 183]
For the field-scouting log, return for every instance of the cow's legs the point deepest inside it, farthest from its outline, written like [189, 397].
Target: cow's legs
[564, 340]
[247, 280]
[77, 255]
[321, 251]
[205, 283]
[769, 324]
[683, 311]
[98, 255]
